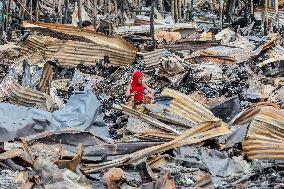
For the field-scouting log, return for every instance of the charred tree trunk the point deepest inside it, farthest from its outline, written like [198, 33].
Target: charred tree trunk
[109, 18]
[65, 11]
[3, 19]
[277, 14]
[80, 12]
[221, 12]
[173, 8]
[31, 10]
[266, 17]
[152, 32]
[95, 13]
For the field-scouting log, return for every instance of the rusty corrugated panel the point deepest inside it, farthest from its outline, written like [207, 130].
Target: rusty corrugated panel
[141, 21]
[46, 77]
[147, 129]
[45, 44]
[265, 138]
[120, 51]
[152, 59]
[71, 53]
[27, 97]
[232, 53]
[187, 108]
[248, 115]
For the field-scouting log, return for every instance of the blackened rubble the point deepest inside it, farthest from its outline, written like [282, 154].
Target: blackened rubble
[216, 69]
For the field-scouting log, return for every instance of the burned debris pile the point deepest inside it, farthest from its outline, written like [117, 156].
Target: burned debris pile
[216, 119]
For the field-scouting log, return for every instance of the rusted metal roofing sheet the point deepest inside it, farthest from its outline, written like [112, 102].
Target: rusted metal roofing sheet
[152, 59]
[265, 138]
[141, 21]
[45, 44]
[146, 131]
[71, 53]
[96, 46]
[247, 115]
[231, 54]
[27, 97]
[186, 107]
[101, 39]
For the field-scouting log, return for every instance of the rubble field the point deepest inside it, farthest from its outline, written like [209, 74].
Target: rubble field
[216, 68]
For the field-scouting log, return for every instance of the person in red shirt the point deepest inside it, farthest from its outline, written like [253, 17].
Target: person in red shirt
[135, 90]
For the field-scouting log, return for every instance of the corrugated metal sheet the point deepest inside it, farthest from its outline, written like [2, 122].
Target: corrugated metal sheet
[194, 135]
[141, 21]
[71, 53]
[265, 138]
[231, 54]
[187, 108]
[119, 51]
[24, 96]
[45, 44]
[247, 115]
[152, 59]
[131, 112]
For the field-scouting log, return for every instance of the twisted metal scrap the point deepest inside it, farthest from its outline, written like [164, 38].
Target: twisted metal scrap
[199, 133]
[266, 136]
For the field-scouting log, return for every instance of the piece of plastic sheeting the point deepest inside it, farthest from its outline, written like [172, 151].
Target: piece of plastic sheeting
[20, 121]
[82, 112]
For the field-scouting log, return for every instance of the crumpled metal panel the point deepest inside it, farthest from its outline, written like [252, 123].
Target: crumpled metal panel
[186, 107]
[197, 134]
[129, 111]
[119, 50]
[39, 43]
[265, 138]
[226, 53]
[67, 140]
[27, 97]
[247, 115]
[145, 131]
[70, 53]
[152, 59]
[232, 53]
[83, 111]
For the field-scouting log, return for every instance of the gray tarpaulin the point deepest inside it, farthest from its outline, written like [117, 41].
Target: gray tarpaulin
[18, 121]
[82, 112]
[219, 164]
